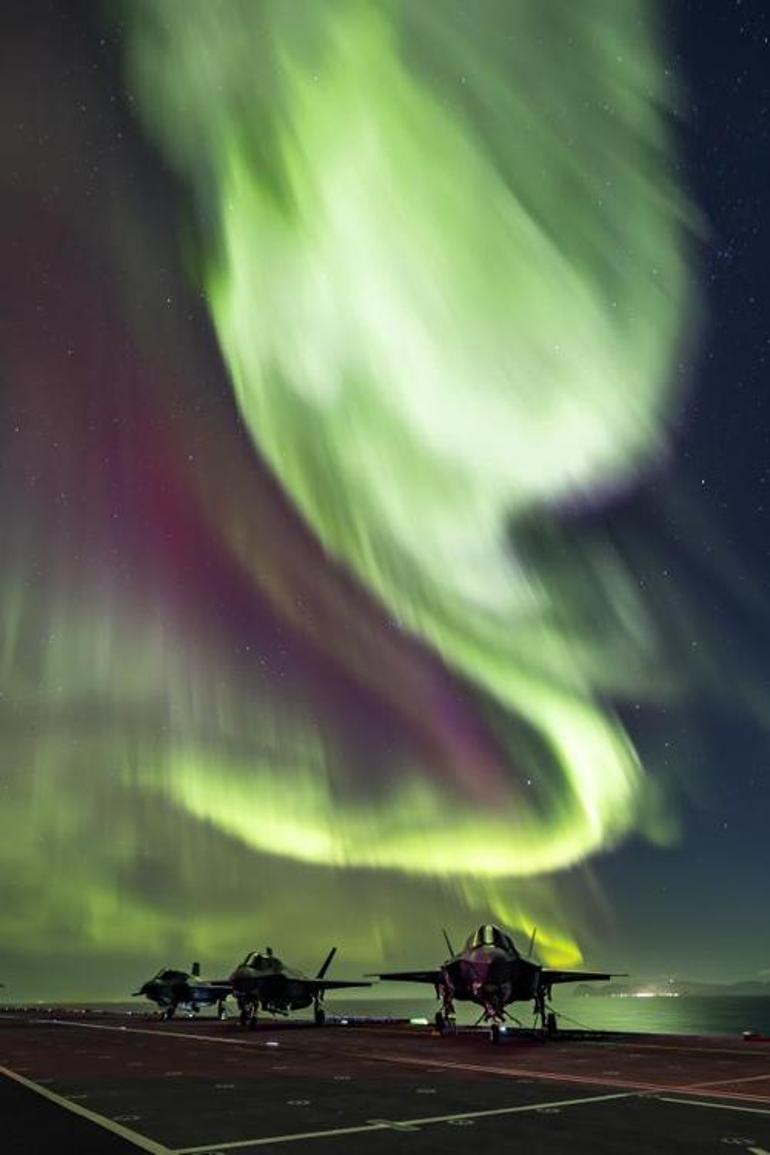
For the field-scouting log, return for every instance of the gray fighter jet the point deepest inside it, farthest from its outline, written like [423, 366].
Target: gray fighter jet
[490, 971]
[171, 989]
[262, 980]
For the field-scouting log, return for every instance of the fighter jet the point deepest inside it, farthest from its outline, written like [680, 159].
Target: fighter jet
[490, 971]
[262, 980]
[171, 989]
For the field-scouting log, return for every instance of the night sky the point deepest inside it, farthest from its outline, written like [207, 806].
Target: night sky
[383, 485]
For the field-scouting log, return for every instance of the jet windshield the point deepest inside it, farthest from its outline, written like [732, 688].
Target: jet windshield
[169, 976]
[263, 962]
[489, 935]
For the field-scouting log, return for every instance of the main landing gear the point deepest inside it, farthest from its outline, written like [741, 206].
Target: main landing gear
[221, 1010]
[545, 1014]
[445, 1024]
[319, 1014]
[444, 1019]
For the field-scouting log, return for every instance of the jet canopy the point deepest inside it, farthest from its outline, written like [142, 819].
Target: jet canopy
[166, 975]
[259, 961]
[490, 935]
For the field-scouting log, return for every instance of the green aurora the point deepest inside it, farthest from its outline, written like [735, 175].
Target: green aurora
[446, 263]
[438, 329]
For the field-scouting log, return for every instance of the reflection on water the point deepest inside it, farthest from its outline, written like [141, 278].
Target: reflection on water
[687, 1015]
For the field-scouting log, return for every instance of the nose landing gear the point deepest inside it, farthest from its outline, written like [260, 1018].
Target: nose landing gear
[248, 1015]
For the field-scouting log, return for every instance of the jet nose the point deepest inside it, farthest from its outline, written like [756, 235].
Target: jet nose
[474, 974]
[499, 971]
[485, 974]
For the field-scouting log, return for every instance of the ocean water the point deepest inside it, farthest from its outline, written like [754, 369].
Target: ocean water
[686, 1015]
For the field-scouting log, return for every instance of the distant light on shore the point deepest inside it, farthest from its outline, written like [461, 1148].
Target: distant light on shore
[646, 995]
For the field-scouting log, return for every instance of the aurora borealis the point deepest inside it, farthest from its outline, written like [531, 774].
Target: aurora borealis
[393, 355]
[347, 350]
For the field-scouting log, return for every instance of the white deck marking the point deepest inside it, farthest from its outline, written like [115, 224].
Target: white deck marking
[391, 1125]
[140, 1141]
[564, 1077]
[529, 1073]
[369, 1058]
[717, 1106]
[399, 1124]
[158, 1034]
[745, 1050]
[742, 1079]
[215, 1148]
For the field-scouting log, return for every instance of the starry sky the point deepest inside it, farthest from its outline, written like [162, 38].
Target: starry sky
[374, 561]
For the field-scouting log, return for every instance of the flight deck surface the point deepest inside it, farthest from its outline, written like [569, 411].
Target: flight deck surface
[115, 1084]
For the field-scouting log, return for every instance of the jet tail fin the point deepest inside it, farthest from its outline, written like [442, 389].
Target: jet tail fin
[196, 969]
[532, 942]
[326, 963]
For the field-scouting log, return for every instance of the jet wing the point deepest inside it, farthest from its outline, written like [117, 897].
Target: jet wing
[432, 977]
[215, 989]
[334, 984]
[551, 977]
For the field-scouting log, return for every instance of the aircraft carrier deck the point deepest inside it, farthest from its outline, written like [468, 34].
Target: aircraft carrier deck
[108, 1084]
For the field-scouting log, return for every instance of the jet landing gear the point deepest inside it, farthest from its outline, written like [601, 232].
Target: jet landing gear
[221, 1010]
[496, 1017]
[545, 1014]
[319, 1014]
[444, 1019]
[248, 1015]
[445, 1024]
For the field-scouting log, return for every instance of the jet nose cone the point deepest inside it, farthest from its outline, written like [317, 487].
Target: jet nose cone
[499, 971]
[474, 973]
[485, 973]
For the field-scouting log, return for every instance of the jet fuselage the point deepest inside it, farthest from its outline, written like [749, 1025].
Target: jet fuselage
[490, 976]
[281, 991]
[170, 989]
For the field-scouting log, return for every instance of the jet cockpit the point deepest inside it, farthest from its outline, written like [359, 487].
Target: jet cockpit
[258, 961]
[490, 935]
